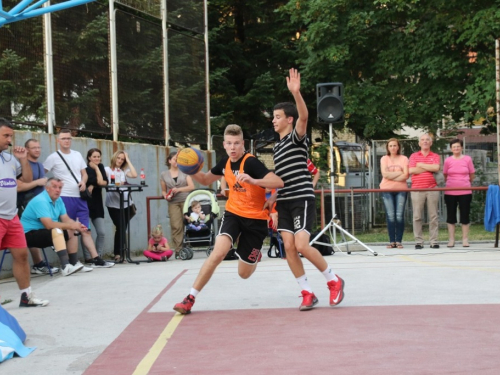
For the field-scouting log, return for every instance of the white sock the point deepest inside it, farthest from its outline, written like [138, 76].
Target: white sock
[194, 292]
[329, 275]
[27, 290]
[304, 285]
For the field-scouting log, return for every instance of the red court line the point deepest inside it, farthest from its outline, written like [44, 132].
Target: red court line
[124, 354]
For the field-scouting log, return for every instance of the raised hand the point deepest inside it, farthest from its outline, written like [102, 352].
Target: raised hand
[20, 152]
[293, 81]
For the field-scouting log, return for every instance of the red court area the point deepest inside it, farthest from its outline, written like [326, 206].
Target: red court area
[443, 339]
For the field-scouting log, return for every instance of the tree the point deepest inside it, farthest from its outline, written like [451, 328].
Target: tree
[401, 62]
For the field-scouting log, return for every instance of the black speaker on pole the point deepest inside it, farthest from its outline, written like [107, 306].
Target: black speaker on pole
[330, 102]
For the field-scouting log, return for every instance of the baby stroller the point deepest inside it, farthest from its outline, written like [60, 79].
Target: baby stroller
[204, 238]
[276, 243]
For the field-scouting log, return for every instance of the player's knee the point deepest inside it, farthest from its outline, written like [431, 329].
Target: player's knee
[245, 274]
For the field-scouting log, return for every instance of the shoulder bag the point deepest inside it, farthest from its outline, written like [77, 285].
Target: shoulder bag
[86, 195]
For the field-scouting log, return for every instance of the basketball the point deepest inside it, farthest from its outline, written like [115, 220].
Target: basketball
[190, 160]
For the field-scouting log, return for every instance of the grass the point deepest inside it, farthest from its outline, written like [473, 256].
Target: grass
[476, 233]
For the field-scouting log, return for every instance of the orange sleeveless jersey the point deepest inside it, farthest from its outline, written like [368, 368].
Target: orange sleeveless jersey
[245, 200]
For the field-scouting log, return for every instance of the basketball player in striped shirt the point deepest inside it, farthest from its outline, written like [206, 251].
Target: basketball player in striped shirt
[423, 164]
[296, 201]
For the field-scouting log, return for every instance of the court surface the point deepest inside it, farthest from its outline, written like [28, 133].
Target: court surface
[405, 311]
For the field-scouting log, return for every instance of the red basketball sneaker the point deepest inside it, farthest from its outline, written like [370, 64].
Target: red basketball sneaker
[308, 301]
[336, 291]
[184, 307]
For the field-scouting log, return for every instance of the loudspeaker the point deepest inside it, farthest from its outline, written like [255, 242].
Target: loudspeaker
[330, 102]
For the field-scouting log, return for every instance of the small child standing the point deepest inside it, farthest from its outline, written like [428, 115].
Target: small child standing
[196, 220]
[158, 249]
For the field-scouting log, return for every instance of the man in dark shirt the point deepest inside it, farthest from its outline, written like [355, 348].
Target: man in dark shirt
[26, 191]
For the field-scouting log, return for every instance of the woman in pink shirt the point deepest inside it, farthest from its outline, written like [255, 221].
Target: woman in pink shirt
[458, 171]
[394, 168]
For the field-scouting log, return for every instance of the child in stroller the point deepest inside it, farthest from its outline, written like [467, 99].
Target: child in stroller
[200, 212]
[196, 220]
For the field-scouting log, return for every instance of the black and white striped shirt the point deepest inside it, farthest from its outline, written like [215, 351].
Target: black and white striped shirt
[290, 163]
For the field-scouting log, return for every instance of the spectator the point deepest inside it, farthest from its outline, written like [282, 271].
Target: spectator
[394, 168]
[96, 179]
[46, 223]
[423, 165]
[196, 219]
[314, 171]
[175, 187]
[14, 166]
[158, 249]
[59, 163]
[26, 192]
[458, 171]
[120, 167]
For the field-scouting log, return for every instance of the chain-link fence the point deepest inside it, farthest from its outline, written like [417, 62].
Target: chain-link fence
[81, 70]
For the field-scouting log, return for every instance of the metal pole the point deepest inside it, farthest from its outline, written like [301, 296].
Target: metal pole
[49, 71]
[497, 66]
[113, 70]
[207, 80]
[165, 70]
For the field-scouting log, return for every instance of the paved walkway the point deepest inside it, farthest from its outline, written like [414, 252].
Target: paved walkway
[405, 311]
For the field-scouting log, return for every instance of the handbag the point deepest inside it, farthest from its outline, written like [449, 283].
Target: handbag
[86, 195]
[133, 210]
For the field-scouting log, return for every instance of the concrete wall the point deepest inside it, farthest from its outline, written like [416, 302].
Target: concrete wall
[151, 158]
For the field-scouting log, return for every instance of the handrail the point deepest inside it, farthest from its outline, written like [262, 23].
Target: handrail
[322, 193]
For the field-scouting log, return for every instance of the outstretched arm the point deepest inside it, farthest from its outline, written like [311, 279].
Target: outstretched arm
[293, 83]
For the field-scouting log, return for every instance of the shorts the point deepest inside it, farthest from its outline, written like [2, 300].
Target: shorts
[295, 216]
[11, 234]
[251, 233]
[77, 208]
[42, 238]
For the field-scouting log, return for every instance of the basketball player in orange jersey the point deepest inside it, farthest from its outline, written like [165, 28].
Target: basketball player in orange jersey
[244, 217]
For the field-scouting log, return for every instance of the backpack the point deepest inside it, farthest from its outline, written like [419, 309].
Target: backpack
[323, 249]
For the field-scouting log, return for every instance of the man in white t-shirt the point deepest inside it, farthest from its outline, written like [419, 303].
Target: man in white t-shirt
[60, 163]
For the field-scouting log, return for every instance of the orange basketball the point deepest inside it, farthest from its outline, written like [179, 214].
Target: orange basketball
[190, 160]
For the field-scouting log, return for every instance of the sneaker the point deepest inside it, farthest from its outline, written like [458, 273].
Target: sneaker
[164, 259]
[70, 269]
[89, 261]
[185, 306]
[29, 300]
[84, 268]
[336, 291]
[101, 263]
[435, 246]
[43, 270]
[308, 301]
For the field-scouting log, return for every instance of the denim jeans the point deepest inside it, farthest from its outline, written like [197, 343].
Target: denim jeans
[395, 214]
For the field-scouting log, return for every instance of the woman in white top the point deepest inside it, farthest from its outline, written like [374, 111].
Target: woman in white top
[121, 168]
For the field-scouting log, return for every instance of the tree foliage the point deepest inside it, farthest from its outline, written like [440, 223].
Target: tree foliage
[410, 63]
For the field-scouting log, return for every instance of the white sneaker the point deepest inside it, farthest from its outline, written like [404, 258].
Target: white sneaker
[84, 268]
[29, 300]
[70, 269]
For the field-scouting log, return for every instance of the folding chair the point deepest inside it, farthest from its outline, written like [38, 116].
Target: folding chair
[7, 251]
